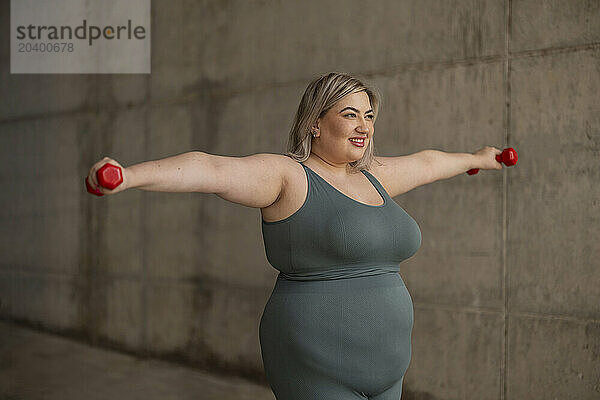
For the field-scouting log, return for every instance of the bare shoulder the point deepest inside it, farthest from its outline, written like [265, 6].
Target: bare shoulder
[283, 166]
[401, 174]
[256, 180]
[380, 169]
[286, 167]
[293, 192]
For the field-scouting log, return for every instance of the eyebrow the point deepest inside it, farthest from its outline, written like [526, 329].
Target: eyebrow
[355, 110]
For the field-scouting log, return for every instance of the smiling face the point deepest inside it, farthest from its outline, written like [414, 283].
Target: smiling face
[350, 117]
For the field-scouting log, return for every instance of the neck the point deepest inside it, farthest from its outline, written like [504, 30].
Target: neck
[337, 169]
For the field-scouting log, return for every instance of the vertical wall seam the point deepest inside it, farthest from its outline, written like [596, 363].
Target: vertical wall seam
[144, 267]
[146, 280]
[144, 226]
[507, 124]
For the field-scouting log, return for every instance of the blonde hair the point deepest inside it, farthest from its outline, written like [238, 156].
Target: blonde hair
[319, 97]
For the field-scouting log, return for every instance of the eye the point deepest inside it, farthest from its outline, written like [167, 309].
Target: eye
[371, 116]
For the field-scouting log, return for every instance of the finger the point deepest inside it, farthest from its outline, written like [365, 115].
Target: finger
[93, 185]
[95, 177]
[93, 180]
[89, 178]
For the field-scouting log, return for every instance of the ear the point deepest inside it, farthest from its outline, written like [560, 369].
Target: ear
[316, 124]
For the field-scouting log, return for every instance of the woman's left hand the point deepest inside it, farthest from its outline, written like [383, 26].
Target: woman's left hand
[486, 158]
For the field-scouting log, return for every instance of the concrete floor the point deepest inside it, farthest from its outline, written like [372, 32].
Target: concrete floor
[35, 365]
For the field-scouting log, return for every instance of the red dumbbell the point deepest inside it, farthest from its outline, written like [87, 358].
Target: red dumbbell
[109, 176]
[508, 157]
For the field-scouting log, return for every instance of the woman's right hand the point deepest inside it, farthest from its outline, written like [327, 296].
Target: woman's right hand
[93, 179]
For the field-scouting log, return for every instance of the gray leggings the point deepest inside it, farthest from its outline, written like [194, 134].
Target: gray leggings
[337, 339]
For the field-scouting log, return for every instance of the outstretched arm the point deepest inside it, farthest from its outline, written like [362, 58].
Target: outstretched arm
[187, 172]
[253, 181]
[444, 165]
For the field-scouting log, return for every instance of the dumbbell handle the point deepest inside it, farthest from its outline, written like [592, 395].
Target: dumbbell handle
[508, 157]
[109, 176]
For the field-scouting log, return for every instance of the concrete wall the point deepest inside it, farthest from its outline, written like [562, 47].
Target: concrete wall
[506, 283]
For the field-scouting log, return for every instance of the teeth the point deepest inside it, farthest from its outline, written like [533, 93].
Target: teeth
[357, 140]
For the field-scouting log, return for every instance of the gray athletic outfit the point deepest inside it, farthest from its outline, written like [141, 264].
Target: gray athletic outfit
[338, 322]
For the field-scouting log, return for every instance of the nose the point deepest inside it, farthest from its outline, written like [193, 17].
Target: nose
[362, 127]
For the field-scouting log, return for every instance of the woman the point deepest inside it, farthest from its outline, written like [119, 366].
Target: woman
[339, 320]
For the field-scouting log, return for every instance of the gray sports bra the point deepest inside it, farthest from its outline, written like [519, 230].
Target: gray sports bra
[333, 236]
